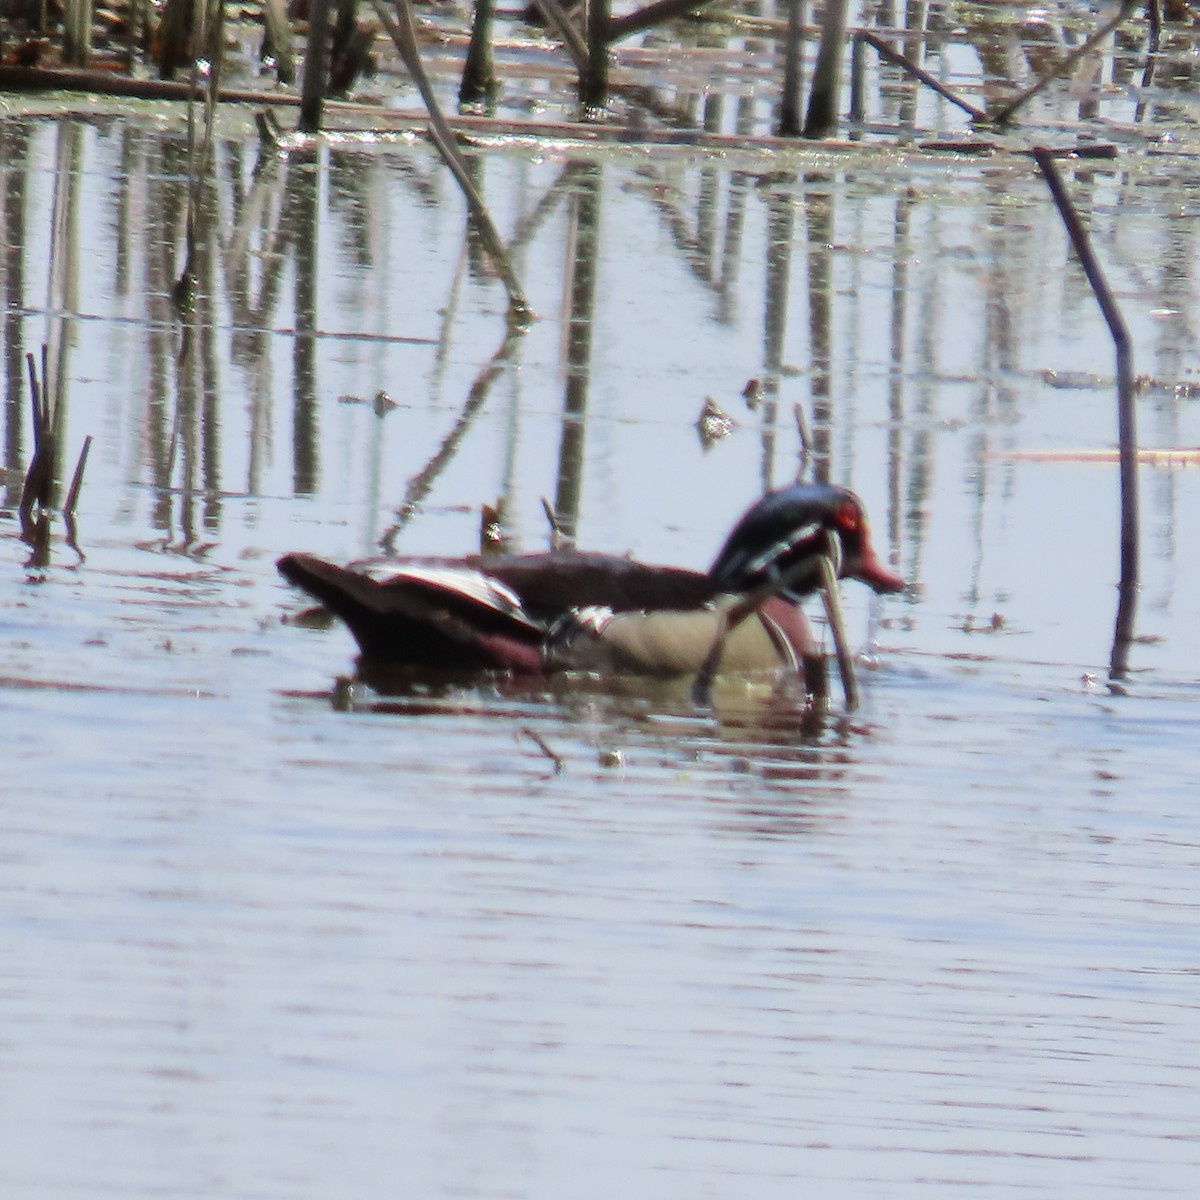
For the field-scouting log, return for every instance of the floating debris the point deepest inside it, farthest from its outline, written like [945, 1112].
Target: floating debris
[1074, 380]
[560, 539]
[1146, 385]
[1143, 385]
[540, 743]
[1183, 456]
[492, 538]
[714, 425]
[994, 624]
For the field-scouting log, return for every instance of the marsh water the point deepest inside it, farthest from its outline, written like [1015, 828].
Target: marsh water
[268, 933]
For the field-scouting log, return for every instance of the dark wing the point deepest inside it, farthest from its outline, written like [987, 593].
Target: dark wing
[423, 615]
[552, 584]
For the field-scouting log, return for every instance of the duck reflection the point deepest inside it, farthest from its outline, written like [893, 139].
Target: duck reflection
[769, 732]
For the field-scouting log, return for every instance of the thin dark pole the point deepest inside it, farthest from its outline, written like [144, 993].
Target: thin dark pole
[570, 37]
[1006, 112]
[790, 124]
[1126, 415]
[857, 103]
[593, 83]
[402, 30]
[1153, 41]
[821, 119]
[316, 67]
[478, 84]
[652, 14]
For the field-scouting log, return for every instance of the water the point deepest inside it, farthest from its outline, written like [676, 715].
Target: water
[261, 944]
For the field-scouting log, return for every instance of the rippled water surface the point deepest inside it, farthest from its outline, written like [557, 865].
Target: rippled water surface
[268, 936]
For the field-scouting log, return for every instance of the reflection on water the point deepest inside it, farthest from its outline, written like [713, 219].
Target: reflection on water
[269, 935]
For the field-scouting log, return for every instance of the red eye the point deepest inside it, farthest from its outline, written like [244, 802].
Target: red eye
[848, 516]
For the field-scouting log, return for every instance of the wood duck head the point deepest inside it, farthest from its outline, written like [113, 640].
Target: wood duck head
[793, 526]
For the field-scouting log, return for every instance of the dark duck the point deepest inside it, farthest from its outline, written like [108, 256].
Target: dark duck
[577, 611]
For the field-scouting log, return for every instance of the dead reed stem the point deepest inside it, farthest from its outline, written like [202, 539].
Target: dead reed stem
[541, 744]
[77, 480]
[593, 82]
[478, 84]
[821, 118]
[316, 67]
[279, 35]
[1126, 414]
[105, 83]
[1005, 113]
[77, 32]
[653, 14]
[857, 67]
[37, 493]
[1154, 21]
[570, 37]
[789, 114]
[210, 32]
[403, 33]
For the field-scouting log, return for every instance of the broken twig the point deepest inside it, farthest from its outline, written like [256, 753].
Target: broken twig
[540, 743]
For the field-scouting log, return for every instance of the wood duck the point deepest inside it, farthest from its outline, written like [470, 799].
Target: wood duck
[570, 610]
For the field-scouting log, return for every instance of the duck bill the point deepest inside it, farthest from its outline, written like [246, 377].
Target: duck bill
[869, 569]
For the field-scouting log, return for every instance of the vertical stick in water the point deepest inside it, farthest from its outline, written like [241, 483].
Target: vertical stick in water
[827, 74]
[478, 84]
[789, 113]
[279, 35]
[1126, 416]
[316, 67]
[77, 33]
[583, 266]
[402, 30]
[573, 43]
[593, 82]
[814, 672]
